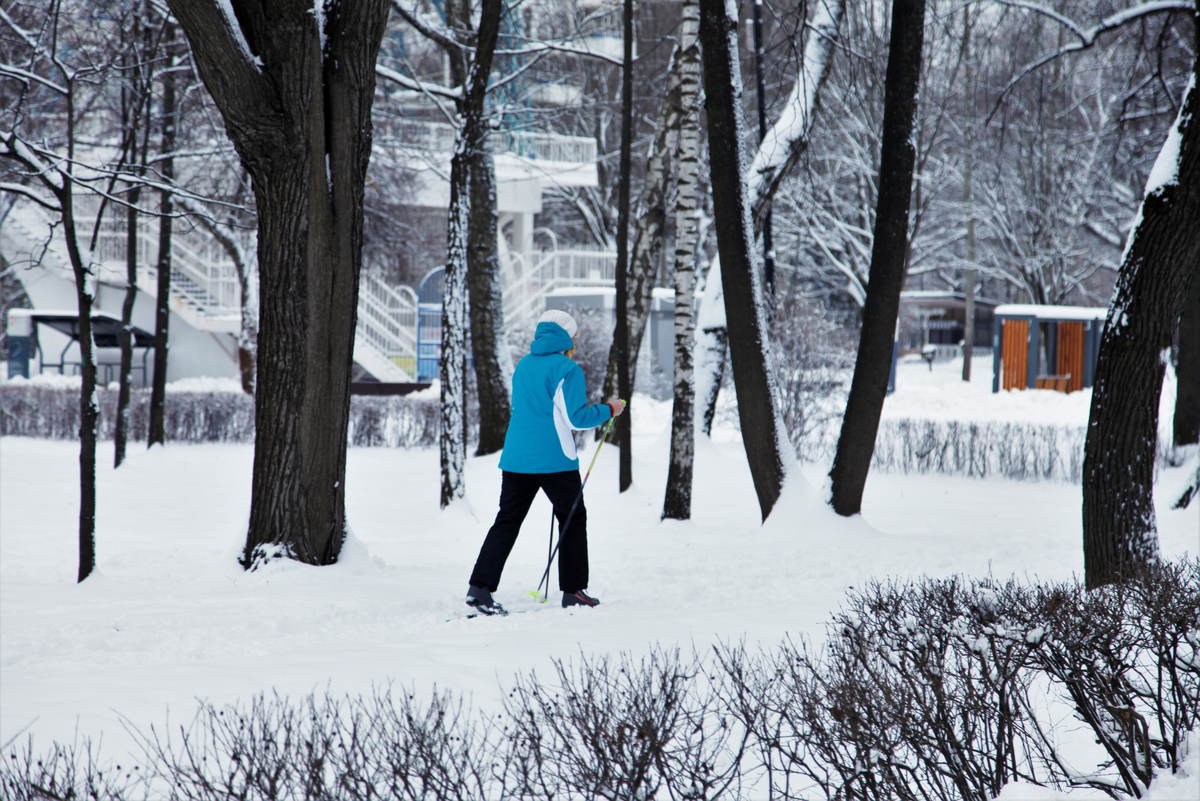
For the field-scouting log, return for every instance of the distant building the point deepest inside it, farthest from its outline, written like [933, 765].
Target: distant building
[939, 318]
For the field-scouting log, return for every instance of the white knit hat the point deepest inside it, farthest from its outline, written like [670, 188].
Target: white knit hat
[561, 318]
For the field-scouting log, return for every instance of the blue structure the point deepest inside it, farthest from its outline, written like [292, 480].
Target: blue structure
[429, 324]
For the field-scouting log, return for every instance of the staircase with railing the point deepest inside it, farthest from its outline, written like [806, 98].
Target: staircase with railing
[526, 281]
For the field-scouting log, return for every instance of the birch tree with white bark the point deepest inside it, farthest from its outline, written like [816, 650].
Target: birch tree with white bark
[677, 501]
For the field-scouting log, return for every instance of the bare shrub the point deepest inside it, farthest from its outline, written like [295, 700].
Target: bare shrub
[926, 689]
[67, 771]
[29, 410]
[622, 729]
[813, 357]
[949, 689]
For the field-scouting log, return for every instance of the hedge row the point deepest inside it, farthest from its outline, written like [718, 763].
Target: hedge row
[53, 413]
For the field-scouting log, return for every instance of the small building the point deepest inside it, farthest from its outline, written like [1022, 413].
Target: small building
[939, 318]
[1045, 347]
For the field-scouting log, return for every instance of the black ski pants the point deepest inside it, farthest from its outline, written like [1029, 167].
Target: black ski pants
[517, 491]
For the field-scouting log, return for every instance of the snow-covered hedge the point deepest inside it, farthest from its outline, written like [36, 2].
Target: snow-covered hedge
[925, 690]
[1020, 451]
[28, 409]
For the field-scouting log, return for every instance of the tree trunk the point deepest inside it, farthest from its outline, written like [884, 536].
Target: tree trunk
[452, 367]
[126, 333]
[621, 339]
[677, 501]
[711, 345]
[489, 345]
[761, 100]
[295, 89]
[856, 444]
[89, 412]
[763, 432]
[162, 300]
[1187, 371]
[1119, 532]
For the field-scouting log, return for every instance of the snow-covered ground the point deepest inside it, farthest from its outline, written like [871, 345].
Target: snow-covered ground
[171, 617]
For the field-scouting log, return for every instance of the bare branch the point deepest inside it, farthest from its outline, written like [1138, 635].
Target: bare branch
[1087, 36]
[428, 32]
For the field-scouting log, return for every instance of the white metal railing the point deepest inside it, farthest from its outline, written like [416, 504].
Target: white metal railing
[527, 282]
[534, 145]
[202, 274]
[387, 321]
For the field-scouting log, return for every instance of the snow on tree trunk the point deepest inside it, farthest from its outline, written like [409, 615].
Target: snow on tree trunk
[897, 154]
[781, 149]
[712, 342]
[295, 91]
[489, 345]
[763, 431]
[677, 501]
[1119, 527]
[452, 439]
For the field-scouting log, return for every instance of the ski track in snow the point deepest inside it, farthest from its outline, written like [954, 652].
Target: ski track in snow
[171, 617]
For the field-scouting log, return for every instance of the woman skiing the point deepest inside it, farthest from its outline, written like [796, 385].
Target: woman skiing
[549, 400]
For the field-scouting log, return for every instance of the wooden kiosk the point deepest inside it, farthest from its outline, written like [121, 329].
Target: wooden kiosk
[1045, 347]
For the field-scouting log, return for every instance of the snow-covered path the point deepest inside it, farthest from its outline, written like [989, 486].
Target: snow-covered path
[172, 617]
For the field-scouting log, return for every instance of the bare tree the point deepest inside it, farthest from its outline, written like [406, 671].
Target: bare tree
[677, 500]
[50, 62]
[162, 305]
[763, 431]
[890, 245]
[1119, 531]
[452, 366]
[141, 45]
[295, 88]
[621, 339]
[778, 157]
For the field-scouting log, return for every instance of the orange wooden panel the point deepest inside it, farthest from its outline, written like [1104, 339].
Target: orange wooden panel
[1070, 354]
[1014, 354]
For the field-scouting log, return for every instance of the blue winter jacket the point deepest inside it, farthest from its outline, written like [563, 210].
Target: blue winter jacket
[549, 399]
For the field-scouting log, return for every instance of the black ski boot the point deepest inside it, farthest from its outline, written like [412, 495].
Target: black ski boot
[580, 598]
[481, 599]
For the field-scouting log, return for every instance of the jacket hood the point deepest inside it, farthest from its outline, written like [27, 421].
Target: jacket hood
[550, 338]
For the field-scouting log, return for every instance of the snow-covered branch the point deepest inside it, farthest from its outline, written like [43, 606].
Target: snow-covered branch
[12, 146]
[26, 77]
[429, 32]
[417, 85]
[26, 192]
[788, 138]
[561, 47]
